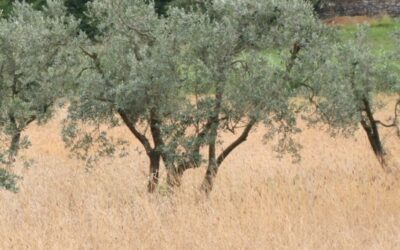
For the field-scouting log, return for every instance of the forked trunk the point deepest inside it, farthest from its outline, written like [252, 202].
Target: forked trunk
[152, 153]
[175, 173]
[154, 171]
[215, 162]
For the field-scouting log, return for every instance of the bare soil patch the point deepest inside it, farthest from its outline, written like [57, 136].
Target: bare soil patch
[350, 20]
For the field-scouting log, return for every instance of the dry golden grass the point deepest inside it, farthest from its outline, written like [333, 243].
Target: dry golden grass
[336, 198]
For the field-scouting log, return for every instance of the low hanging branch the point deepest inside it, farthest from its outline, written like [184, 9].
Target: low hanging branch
[395, 123]
[143, 140]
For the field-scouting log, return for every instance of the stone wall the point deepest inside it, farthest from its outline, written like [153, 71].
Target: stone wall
[360, 8]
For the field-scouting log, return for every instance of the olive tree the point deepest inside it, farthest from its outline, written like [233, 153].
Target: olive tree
[130, 76]
[33, 69]
[236, 86]
[188, 79]
[342, 84]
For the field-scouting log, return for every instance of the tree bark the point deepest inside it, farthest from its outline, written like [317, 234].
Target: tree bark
[375, 141]
[215, 162]
[154, 171]
[156, 153]
[370, 126]
[214, 122]
[212, 170]
[14, 144]
[153, 153]
[14, 147]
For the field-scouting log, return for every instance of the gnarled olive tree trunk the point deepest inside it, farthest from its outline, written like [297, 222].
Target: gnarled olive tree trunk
[154, 171]
[153, 153]
[215, 163]
[370, 127]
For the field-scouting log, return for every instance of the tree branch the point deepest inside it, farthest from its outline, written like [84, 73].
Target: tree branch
[384, 124]
[242, 138]
[95, 58]
[82, 71]
[312, 100]
[32, 119]
[294, 54]
[395, 123]
[142, 138]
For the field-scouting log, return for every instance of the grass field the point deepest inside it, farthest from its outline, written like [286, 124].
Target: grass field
[338, 197]
[380, 35]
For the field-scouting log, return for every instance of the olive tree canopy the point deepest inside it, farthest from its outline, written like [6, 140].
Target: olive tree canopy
[189, 78]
